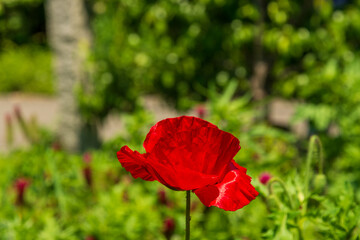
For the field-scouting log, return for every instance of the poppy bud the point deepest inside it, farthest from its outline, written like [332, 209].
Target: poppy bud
[319, 183]
[87, 172]
[168, 228]
[272, 202]
[21, 185]
[162, 198]
[264, 178]
[301, 196]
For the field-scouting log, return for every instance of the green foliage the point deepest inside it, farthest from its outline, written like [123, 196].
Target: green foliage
[170, 47]
[26, 69]
[313, 68]
[301, 201]
[59, 202]
[264, 144]
[180, 48]
[191, 51]
[25, 62]
[22, 22]
[301, 211]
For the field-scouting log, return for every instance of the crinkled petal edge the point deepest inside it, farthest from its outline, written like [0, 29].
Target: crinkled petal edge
[232, 193]
[135, 163]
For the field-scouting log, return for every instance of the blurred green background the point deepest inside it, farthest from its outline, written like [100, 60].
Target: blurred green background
[228, 62]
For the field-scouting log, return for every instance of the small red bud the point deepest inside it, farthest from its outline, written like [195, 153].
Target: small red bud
[21, 185]
[87, 172]
[264, 178]
[162, 197]
[168, 227]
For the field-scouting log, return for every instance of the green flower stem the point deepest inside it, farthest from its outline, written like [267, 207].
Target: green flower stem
[9, 131]
[24, 127]
[314, 142]
[282, 184]
[188, 218]
[321, 156]
[51, 158]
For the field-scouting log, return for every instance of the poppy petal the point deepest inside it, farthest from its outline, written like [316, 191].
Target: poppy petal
[206, 149]
[134, 162]
[178, 178]
[233, 192]
[168, 127]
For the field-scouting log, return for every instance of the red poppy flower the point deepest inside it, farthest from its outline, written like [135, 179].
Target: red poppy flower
[188, 153]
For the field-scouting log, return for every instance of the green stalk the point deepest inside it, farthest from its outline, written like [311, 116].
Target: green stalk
[321, 156]
[314, 142]
[57, 184]
[24, 127]
[9, 130]
[282, 184]
[188, 218]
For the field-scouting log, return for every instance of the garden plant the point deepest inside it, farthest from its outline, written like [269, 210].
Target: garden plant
[219, 66]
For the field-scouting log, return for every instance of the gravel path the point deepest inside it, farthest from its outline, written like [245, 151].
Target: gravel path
[46, 111]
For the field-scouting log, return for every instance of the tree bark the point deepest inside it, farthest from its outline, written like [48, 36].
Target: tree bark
[260, 66]
[70, 38]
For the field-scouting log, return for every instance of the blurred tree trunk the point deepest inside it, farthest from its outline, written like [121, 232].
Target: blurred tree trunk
[70, 38]
[260, 66]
